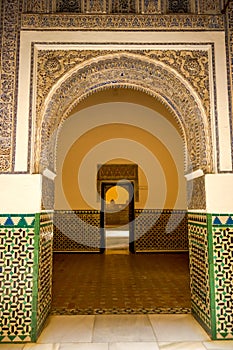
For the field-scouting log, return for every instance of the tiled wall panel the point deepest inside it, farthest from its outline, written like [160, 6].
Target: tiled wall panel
[18, 277]
[25, 275]
[45, 269]
[222, 245]
[76, 230]
[199, 268]
[154, 230]
[211, 261]
[161, 230]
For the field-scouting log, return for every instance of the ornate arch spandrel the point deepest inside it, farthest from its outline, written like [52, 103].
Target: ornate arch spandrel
[125, 70]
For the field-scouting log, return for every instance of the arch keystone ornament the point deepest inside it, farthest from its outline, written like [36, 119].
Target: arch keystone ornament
[130, 71]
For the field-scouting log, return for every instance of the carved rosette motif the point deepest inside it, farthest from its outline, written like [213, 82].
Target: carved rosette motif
[151, 6]
[209, 6]
[125, 70]
[178, 6]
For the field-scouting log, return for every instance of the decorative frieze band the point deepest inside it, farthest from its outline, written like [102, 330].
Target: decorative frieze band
[123, 6]
[121, 22]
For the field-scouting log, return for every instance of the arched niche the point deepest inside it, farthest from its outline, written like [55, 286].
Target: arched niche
[126, 71]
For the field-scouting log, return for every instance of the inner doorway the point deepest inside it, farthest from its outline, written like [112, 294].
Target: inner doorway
[86, 282]
[117, 217]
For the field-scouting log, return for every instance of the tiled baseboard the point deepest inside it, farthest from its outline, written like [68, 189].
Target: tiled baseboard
[120, 311]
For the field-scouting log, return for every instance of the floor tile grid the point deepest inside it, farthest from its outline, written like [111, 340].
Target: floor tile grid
[134, 284]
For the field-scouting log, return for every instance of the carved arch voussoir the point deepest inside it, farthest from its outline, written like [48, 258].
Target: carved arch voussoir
[126, 71]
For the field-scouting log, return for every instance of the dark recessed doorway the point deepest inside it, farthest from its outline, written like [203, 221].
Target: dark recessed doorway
[117, 217]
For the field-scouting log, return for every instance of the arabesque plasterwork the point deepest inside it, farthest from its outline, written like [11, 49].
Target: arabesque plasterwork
[230, 52]
[209, 6]
[13, 20]
[192, 65]
[37, 6]
[77, 75]
[195, 190]
[121, 22]
[45, 20]
[123, 6]
[8, 82]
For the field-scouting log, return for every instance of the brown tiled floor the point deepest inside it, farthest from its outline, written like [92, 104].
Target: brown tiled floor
[139, 283]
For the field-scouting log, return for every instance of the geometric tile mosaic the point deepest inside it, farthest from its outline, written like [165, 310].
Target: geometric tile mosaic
[25, 275]
[222, 220]
[211, 256]
[18, 271]
[222, 238]
[199, 268]
[17, 220]
[45, 270]
[120, 311]
[76, 230]
[26, 271]
[154, 230]
[157, 230]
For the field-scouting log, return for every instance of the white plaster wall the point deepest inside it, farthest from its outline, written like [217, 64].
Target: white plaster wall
[219, 193]
[20, 194]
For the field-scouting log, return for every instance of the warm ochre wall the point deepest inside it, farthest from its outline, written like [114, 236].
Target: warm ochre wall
[122, 128]
[118, 194]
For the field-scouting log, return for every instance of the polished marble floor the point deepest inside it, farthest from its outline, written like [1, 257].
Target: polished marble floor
[122, 332]
[121, 284]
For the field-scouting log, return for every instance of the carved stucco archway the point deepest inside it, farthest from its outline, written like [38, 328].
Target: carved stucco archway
[125, 70]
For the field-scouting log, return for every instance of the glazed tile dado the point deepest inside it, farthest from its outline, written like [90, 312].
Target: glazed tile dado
[22, 237]
[79, 230]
